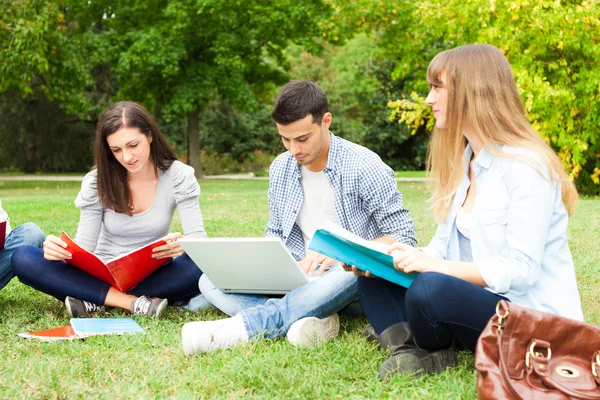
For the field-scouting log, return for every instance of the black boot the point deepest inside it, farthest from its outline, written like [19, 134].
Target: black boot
[370, 333]
[407, 358]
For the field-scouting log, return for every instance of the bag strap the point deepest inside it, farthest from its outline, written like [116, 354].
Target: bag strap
[507, 379]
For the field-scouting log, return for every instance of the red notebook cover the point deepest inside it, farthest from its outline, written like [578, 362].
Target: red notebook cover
[2, 234]
[122, 273]
[50, 335]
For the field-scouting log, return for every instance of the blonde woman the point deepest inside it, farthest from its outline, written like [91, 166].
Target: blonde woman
[502, 201]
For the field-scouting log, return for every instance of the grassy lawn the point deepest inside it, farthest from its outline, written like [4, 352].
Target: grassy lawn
[409, 174]
[153, 365]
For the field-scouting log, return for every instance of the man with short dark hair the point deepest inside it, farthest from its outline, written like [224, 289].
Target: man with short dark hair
[321, 176]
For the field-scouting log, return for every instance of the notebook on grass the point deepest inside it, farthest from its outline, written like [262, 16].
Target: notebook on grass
[81, 328]
[52, 335]
[84, 327]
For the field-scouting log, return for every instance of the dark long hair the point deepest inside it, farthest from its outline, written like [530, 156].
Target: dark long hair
[113, 189]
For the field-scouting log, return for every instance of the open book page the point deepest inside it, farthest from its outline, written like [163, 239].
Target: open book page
[337, 230]
[149, 246]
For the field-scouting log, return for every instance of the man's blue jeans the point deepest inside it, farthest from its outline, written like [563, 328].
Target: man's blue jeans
[28, 234]
[271, 317]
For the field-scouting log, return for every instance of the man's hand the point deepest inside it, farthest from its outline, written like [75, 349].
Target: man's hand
[356, 271]
[316, 264]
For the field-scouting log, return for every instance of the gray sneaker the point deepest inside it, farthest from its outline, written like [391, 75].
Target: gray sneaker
[80, 308]
[150, 307]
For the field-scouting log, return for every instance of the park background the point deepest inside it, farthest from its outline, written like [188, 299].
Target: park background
[209, 71]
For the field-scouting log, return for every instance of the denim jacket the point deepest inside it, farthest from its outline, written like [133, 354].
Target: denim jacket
[366, 197]
[519, 232]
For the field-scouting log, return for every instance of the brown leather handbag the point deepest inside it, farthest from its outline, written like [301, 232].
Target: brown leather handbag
[528, 354]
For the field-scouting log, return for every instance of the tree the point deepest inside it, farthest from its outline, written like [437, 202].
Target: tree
[552, 47]
[183, 54]
[40, 62]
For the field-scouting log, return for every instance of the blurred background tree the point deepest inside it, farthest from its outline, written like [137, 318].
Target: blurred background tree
[209, 71]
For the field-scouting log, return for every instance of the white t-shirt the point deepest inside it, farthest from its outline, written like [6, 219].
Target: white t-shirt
[318, 204]
[464, 222]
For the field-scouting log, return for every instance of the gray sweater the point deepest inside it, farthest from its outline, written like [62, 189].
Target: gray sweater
[110, 235]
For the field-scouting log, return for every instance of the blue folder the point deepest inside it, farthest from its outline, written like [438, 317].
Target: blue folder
[364, 258]
[105, 326]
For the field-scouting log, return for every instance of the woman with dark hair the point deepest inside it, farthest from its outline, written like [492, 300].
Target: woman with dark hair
[502, 200]
[126, 202]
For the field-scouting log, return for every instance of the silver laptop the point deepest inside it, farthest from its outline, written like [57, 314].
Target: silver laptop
[246, 265]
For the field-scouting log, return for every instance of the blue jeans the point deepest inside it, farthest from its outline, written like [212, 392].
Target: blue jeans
[271, 317]
[438, 308]
[176, 281]
[229, 303]
[28, 234]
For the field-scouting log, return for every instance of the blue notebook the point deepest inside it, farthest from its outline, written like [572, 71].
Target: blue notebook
[336, 242]
[104, 326]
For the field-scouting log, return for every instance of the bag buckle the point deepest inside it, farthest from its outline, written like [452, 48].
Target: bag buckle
[532, 353]
[596, 364]
[501, 317]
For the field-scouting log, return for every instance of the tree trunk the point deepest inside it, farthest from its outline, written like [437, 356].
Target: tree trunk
[194, 143]
[31, 156]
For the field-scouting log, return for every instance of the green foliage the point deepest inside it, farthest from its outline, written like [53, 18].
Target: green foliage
[357, 84]
[36, 135]
[180, 54]
[38, 53]
[551, 45]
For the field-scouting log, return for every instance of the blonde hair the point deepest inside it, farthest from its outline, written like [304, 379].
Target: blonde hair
[482, 91]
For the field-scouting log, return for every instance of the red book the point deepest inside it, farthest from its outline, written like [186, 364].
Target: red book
[2, 234]
[51, 335]
[122, 273]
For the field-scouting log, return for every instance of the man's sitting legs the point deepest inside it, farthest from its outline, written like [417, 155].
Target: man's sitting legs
[229, 303]
[321, 298]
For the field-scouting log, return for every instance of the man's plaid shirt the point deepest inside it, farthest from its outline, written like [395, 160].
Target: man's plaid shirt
[367, 201]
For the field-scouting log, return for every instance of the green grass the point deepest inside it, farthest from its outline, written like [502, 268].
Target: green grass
[153, 365]
[409, 174]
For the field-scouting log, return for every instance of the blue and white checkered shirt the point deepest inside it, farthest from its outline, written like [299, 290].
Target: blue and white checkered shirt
[366, 197]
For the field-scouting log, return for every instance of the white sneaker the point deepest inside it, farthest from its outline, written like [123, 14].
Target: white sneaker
[312, 331]
[202, 337]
